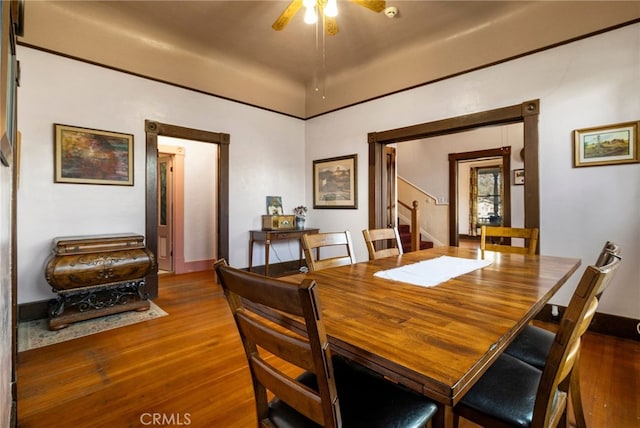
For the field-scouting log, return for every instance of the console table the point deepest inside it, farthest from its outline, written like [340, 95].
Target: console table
[268, 236]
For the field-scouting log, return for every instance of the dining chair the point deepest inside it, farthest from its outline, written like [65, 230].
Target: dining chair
[331, 391]
[336, 242]
[380, 237]
[502, 233]
[533, 344]
[512, 393]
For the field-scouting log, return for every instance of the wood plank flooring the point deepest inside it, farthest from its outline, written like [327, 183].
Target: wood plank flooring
[188, 369]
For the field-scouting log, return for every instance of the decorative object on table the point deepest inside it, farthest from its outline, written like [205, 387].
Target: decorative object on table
[278, 222]
[91, 156]
[36, 333]
[300, 212]
[606, 145]
[518, 176]
[335, 182]
[97, 275]
[274, 205]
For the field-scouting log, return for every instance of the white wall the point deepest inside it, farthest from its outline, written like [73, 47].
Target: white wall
[265, 153]
[587, 83]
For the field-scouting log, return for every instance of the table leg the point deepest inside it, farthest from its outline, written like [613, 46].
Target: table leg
[267, 243]
[251, 241]
[443, 417]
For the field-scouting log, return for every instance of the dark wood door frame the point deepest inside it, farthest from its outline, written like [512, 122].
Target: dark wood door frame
[153, 130]
[454, 158]
[526, 113]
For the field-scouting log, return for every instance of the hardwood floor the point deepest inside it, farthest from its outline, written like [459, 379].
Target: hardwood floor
[188, 369]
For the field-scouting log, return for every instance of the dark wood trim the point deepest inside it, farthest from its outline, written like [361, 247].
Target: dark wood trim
[153, 130]
[376, 198]
[454, 158]
[33, 310]
[526, 112]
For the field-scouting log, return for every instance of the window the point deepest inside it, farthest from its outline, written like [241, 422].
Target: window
[489, 196]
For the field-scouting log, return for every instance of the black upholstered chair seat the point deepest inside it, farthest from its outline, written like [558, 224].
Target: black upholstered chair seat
[367, 400]
[532, 346]
[506, 392]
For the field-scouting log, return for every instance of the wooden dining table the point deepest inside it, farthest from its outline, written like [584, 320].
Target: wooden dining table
[435, 340]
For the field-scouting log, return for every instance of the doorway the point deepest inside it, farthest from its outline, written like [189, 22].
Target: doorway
[165, 211]
[153, 130]
[526, 113]
[494, 207]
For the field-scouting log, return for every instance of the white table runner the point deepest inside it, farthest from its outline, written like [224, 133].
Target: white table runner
[434, 271]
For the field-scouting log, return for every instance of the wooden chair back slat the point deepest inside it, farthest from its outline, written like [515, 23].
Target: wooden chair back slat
[377, 238]
[311, 243]
[506, 233]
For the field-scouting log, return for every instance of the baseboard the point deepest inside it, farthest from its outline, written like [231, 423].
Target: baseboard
[611, 325]
[33, 310]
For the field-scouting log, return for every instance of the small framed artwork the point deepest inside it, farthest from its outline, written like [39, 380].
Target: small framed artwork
[606, 145]
[91, 156]
[274, 205]
[335, 182]
[518, 176]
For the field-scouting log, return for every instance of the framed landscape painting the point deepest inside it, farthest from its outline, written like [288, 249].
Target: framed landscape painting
[606, 145]
[91, 156]
[335, 182]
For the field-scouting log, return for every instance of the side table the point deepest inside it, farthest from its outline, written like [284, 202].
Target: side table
[268, 236]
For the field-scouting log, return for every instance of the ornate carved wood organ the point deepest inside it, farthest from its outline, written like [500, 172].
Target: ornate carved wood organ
[97, 275]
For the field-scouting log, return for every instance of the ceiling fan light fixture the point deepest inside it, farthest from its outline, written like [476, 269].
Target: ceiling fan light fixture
[331, 10]
[310, 16]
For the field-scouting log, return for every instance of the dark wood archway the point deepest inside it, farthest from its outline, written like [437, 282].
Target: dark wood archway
[527, 113]
[153, 130]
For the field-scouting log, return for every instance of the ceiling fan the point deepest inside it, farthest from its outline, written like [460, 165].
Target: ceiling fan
[324, 8]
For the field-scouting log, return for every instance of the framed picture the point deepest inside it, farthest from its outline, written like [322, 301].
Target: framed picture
[518, 176]
[335, 182]
[606, 145]
[91, 156]
[274, 205]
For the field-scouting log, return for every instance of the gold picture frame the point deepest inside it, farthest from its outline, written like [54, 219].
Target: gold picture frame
[335, 182]
[92, 156]
[606, 145]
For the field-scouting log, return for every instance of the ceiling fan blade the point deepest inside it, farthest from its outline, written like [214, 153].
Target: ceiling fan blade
[374, 5]
[286, 16]
[331, 25]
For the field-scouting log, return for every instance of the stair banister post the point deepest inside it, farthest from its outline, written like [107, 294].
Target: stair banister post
[415, 227]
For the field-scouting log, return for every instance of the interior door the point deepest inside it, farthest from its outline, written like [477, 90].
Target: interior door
[165, 212]
[391, 185]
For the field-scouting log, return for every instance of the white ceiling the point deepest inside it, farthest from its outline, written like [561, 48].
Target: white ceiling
[233, 40]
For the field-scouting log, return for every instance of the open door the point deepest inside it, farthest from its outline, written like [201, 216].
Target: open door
[165, 212]
[391, 186]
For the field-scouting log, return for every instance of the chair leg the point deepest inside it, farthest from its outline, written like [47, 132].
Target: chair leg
[576, 395]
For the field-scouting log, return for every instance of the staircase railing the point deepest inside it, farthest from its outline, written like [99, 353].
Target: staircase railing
[415, 225]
